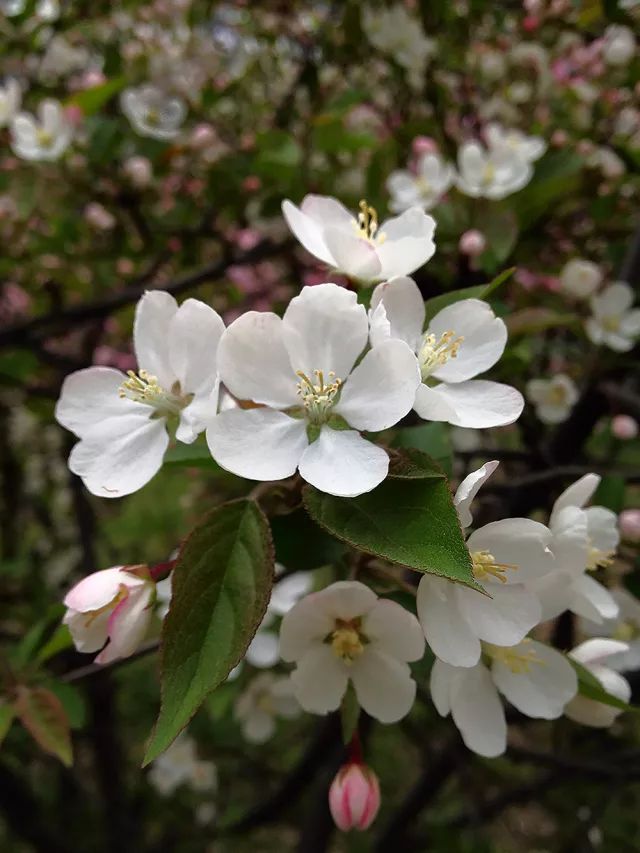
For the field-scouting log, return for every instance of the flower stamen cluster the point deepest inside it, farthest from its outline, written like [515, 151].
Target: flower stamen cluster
[318, 398]
[516, 659]
[485, 566]
[435, 352]
[368, 224]
[143, 387]
[347, 641]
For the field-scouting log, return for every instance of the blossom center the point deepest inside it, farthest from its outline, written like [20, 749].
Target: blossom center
[611, 323]
[367, 224]
[598, 559]
[346, 640]
[488, 174]
[318, 396]
[518, 659]
[45, 139]
[143, 387]
[485, 566]
[435, 352]
[557, 395]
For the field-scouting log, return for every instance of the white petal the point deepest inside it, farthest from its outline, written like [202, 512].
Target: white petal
[253, 361]
[289, 591]
[89, 634]
[379, 326]
[258, 727]
[602, 528]
[326, 211]
[517, 542]
[325, 329]
[383, 685]
[408, 243]
[353, 255]
[320, 680]
[381, 389]
[154, 314]
[194, 335]
[96, 590]
[570, 539]
[305, 626]
[450, 637]
[543, 690]
[342, 463]
[478, 713]
[597, 650]
[259, 444]
[89, 397]
[476, 403]
[404, 307]
[308, 232]
[120, 456]
[394, 630]
[264, 650]
[553, 592]
[440, 683]
[485, 337]
[577, 494]
[504, 619]
[597, 714]
[128, 625]
[613, 301]
[591, 600]
[469, 488]
[346, 600]
[630, 324]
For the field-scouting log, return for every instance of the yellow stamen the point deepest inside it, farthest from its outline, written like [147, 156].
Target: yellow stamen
[597, 559]
[318, 397]
[485, 566]
[143, 387]
[367, 224]
[44, 138]
[517, 659]
[346, 640]
[434, 353]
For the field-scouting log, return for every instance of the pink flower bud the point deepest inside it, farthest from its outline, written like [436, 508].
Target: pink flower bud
[203, 136]
[99, 217]
[251, 183]
[92, 77]
[354, 797]
[624, 427]
[424, 145]
[138, 170]
[472, 243]
[629, 523]
[111, 607]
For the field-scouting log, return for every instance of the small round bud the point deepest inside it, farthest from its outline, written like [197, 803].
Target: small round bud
[354, 797]
[472, 243]
[424, 145]
[624, 427]
[138, 170]
[629, 524]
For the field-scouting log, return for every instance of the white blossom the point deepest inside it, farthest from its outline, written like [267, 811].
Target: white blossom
[505, 554]
[553, 398]
[10, 99]
[46, 137]
[152, 112]
[619, 46]
[397, 33]
[343, 634]
[424, 188]
[493, 172]
[180, 765]
[461, 341]
[594, 655]
[312, 399]
[122, 420]
[580, 278]
[357, 245]
[267, 698]
[527, 148]
[534, 678]
[625, 627]
[613, 322]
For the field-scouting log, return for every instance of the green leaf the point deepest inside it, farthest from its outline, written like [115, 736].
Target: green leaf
[408, 519]
[349, 714]
[72, 701]
[37, 636]
[301, 545]
[413, 464]
[195, 455]
[480, 291]
[590, 688]
[610, 493]
[59, 642]
[433, 439]
[43, 716]
[556, 176]
[92, 100]
[7, 716]
[221, 586]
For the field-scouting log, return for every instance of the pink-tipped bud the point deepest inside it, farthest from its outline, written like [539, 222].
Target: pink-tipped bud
[424, 145]
[629, 524]
[203, 136]
[354, 797]
[99, 217]
[624, 427]
[472, 243]
[138, 170]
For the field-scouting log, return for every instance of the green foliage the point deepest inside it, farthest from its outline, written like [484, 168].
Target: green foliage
[221, 586]
[480, 291]
[590, 688]
[408, 519]
[43, 715]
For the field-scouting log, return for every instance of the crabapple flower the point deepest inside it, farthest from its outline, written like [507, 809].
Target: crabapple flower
[619, 46]
[112, 606]
[424, 188]
[346, 633]
[44, 138]
[10, 98]
[461, 341]
[358, 246]
[553, 398]
[593, 655]
[534, 678]
[583, 540]
[580, 278]
[180, 765]
[625, 627]
[612, 322]
[492, 173]
[505, 554]
[122, 420]
[527, 148]
[311, 399]
[354, 797]
[152, 112]
[397, 33]
[266, 698]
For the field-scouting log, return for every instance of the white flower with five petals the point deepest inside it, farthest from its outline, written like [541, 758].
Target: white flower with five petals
[424, 188]
[359, 246]
[461, 341]
[492, 173]
[505, 554]
[310, 398]
[121, 420]
[267, 698]
[613, 323]
[343, 634]
[46, 137]
[553, 398]
[534, 678]
[152, 112]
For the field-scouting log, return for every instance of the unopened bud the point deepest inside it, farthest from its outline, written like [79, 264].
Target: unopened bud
[472, 243]
[629, 524]
[624, 427]
[354, 797]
